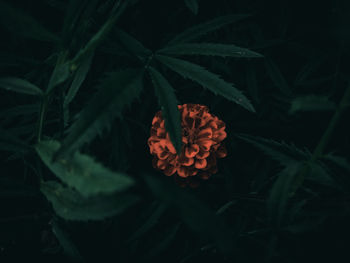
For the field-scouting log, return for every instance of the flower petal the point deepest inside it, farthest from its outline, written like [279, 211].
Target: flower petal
[192, 150]
[200, 163]
[169, 170]
[205, 133]
[183, 160]
[205, 144]
[162, 155]
[162, 164]
[202, 154]
[221, 152]
[220, 135]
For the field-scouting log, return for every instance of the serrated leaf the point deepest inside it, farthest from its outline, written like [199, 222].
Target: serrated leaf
[311, 103]
[170, 112]
[197, 31]
[280, 192]
[277, 77]
[116, 91]
[63, 238]
[193, 212]
[192, 5]
[281, 152]
[20, 86]
[78, 79]
[207, 79]
[133, 45]
[70, 205]
[19, 23]
[209, 49]
[82, 172]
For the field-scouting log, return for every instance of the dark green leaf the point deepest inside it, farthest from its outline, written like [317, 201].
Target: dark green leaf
[68, 247]
[19, 23]
[251, 80]
[276, 76]
[20, 86]
[280, 192]
[170, 111]
[134, 46]
[194, 213]
[197, 31]
[70, 205]
[192, 5]
[59, 75]
[209, 49]
[281, 152]
[82, 172]
[311, 103]
[117, 90]
[207, 79]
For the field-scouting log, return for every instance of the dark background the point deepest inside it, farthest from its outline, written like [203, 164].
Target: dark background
[308, 37]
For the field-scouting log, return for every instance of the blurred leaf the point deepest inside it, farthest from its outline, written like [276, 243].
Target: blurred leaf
[192, 5]
[251, 80]
[319, 174]
[197, 31]
[19, 23]
[277, 77]
[225, 207]
[339, 161]
[281, 152]
[70, 205]
[309, 68]
[82, 172]
[209, 49]
[20, 110]
[20, 86]
[280, 191]
[194, 213]
[9, 142]
[170, 111]
[59, 75]
[78, 79]
[150, 222]
[134, 46]
[63, 238]
[207, 79]
[117, 90]
[311, 103]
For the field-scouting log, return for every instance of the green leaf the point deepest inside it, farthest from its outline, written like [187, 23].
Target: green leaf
[78, 79]
[193, 212]
[20, 86]
[280, 191]
[281, 152]
[170, 111]
[19, 23]
[207, 79]
[82, 172]
[59, 75]
[70, 205]
[63, 238]
[209, 49]
[134, 46]
[116, 91]
[197, 31]
[311, 103]
[276, 76]
[192, 5]
[251, 80]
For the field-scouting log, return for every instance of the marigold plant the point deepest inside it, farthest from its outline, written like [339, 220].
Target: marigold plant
[202, 136]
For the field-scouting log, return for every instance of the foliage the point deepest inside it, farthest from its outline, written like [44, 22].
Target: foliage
[80, 83]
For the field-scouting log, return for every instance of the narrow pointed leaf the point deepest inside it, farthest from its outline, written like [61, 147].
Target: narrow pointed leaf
[281, 152]
[311, 103]
[192, 5]
[20, 86]
[209, 49]
[197, 31]
[207, 79]
[70, 205]
[82, 172]
[133, 45]
[117, 90]
[22, 24]
[168, 104]
[59, 75]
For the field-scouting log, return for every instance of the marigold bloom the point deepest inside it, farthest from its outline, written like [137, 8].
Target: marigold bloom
[202, 136]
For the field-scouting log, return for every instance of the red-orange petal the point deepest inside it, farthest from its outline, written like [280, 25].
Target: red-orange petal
[191, 151]
[169, 170]
[162, 155]
[205, 144]
[183, 160]
[220, 135]
[202, 154]
[162, 164]
[221, 152]
[205, 133]
[200, 163]
[182, 172]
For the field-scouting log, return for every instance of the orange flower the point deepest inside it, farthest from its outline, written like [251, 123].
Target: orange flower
[202, 134]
